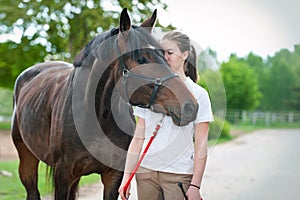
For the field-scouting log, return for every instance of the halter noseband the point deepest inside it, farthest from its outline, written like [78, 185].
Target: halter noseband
[127, 73]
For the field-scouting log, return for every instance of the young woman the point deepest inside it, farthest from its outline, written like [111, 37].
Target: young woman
[177, 154]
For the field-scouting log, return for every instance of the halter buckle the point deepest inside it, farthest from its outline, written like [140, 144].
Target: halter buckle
[157, 81]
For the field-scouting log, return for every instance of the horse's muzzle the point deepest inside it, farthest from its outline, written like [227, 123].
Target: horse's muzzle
[186, 115]
[189, 111]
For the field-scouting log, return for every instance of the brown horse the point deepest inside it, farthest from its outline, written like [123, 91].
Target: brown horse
[78, 118]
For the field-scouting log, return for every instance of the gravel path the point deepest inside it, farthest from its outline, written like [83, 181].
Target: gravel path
[261, 165]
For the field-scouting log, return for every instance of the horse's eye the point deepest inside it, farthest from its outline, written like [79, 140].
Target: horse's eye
[142, 60]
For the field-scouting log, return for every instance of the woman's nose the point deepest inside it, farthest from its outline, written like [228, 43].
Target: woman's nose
[166, 56]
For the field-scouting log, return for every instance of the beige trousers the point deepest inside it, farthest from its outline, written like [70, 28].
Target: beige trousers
[155, 185]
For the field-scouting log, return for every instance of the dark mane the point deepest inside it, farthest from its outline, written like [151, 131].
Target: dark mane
[138, 32]
[83, 54]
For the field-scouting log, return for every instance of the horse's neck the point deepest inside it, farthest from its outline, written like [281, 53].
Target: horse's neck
[96, 86]
[104, 95]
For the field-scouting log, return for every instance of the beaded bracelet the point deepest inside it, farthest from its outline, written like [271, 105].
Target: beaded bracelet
[195, 186]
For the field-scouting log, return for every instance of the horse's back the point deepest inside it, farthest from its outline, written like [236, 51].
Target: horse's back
[46, 68]
[38, 90]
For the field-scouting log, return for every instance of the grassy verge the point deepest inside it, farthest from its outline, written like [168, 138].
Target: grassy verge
[247, 128]
[5, 125]
[12, 188]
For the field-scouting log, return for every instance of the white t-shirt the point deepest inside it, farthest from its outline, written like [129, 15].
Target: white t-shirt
[172, 149]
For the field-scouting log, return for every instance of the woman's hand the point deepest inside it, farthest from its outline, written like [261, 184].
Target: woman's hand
[193, 193]
[124, 195]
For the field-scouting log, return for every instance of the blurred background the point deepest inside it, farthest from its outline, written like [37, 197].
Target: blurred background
[249, 57]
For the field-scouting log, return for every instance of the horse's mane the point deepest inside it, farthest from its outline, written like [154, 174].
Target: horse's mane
[83, 54]
[97, 40]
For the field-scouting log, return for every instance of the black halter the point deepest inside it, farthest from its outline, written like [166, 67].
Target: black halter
[127, 73]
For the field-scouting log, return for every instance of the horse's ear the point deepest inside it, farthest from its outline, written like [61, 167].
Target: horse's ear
[149, 23]
[125, 22]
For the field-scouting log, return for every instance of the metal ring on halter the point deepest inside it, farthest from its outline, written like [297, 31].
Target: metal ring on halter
[125, 72]
[157, 81]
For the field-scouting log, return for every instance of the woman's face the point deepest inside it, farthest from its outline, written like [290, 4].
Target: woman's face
[173, 55]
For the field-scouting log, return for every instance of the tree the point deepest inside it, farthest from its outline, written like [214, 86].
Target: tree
[16, 58]
[260, 69]
[207, 60]
[59, 29]
[296, 88]
[212, 81]
[282, 81]
[241, 85]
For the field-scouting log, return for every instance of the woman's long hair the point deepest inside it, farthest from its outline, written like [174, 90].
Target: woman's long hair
[184, 44]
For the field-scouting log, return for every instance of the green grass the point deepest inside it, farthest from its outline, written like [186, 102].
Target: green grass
[249, 127]
[5, 125]
[12, 189]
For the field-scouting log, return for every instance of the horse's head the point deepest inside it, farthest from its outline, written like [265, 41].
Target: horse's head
[147, 80]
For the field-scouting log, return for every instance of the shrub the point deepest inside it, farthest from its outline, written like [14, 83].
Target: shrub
[219, 129]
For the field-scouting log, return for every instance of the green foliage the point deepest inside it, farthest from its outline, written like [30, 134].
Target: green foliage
[6, 108]
[58, 29]
[207, 60]
[241, 85]
[17, 57]
[212, 81]
[6, 102]
[278, 79]
[282, 84]
[219, 129]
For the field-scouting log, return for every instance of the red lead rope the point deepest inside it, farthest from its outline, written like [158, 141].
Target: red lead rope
[142, 157]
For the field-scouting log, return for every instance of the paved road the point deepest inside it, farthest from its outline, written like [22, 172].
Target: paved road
[262, 165]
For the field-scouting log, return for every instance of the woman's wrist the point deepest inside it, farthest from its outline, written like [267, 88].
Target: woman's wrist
[196, 186]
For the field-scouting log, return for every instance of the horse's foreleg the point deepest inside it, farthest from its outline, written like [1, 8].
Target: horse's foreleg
[74, 189]
[111, 181]
[28, 167]
[65, 183]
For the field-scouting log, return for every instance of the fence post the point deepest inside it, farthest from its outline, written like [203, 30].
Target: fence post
[254, 118]
[291, 117]
[244, 116]
[268, 117]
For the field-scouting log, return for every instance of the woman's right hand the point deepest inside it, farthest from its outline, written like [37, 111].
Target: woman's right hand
[124, 194]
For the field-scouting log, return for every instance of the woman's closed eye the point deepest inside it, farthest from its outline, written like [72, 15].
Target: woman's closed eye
[169, 52]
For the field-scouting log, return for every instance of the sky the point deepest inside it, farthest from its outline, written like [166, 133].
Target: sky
[236, 26]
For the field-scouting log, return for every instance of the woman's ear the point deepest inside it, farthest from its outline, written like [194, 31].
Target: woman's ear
[185, 55]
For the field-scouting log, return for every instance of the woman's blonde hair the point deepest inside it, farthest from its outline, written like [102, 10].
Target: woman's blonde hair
[184, 44]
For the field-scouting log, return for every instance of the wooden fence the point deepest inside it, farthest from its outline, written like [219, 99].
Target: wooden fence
[246, 117]
[263, 118]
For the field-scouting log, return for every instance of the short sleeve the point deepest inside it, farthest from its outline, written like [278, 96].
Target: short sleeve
[204, 112]
[139, 112]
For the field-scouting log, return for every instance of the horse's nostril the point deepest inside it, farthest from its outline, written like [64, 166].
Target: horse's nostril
[189, 110]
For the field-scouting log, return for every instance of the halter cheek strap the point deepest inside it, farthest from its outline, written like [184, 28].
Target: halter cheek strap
[156, 81]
